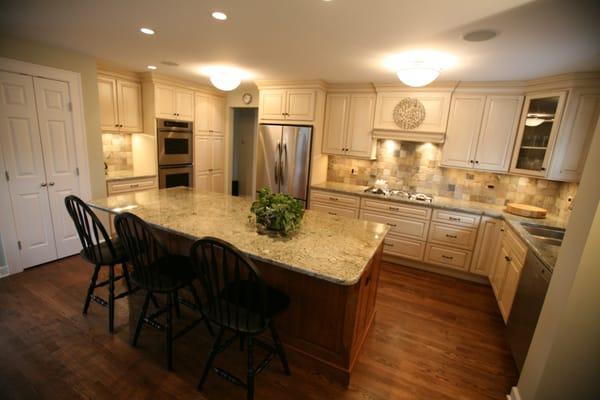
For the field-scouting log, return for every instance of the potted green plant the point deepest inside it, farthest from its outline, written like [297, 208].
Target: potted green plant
[277, 212]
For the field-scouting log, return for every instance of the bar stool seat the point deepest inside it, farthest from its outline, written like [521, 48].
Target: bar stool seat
[106, 253]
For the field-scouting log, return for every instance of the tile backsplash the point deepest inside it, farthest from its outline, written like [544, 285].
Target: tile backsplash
[117, 150]
[416, 167]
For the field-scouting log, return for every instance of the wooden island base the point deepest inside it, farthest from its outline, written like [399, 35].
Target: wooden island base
[326, 323]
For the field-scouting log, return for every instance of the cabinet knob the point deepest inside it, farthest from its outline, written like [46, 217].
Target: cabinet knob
[51, 184]
[471, 161]
[542, 169]
[116, 125]
[476, 162]
[507, 258]
[43, 184]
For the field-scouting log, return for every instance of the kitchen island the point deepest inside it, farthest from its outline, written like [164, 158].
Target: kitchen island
[329, 268]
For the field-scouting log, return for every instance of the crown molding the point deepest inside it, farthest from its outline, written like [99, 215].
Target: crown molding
[155, 77]
[283, 84]
[107, 68]
[587, 79]
[397, 86]
[340, 87]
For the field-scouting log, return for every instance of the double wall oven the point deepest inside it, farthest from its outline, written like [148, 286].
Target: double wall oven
[175, 154]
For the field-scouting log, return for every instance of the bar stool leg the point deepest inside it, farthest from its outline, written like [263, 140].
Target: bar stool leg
[90, 290]
[175, 295]
[140, 322]
[250, 379]
[111, 298]
[169, 331]
[211, 358]
[126, 276]
[279, 348]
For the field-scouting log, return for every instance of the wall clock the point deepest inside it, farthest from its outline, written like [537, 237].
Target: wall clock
[247, 98]
[409, 113]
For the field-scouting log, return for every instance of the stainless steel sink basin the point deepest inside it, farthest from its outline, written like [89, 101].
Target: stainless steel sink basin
[546, 234]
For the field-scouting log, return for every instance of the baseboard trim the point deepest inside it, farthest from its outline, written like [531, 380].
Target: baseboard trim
[514, 394]
[438, 270]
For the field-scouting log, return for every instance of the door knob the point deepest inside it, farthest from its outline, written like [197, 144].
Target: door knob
[51, 184]
[44, 184]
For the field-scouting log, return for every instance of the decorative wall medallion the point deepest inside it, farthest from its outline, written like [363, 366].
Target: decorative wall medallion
[409, 113]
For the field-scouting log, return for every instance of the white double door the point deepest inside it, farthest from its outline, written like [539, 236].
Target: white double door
[38, 147]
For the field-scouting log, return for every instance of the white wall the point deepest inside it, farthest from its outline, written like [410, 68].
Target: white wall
[564, 358]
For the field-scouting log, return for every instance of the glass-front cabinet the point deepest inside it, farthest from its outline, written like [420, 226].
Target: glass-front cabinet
[537, 133]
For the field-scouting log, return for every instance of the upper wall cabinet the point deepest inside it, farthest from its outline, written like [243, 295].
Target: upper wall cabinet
[287, 105]
[433, 106]
[174, 103]
[481, 131]
[120, 105]
[349, 125]
[209, 117]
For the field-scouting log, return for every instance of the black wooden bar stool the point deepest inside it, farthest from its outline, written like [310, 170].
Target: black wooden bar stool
[157, 271]
[238, 301]
[100, 250]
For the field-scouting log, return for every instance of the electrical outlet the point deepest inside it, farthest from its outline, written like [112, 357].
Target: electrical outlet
[354, 171]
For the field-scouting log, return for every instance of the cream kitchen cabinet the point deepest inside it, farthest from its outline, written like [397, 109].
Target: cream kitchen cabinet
[349, 125]
[209, 116]
[287, 104]
[209, 153]
[174, 103]
[120, 105]
[481, 131]
[433, 127]
[334, 203]
[487, 246]
[131, 185]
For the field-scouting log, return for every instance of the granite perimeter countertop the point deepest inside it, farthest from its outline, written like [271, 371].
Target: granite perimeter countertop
[127, 174]
[332, 248]
[547, 253]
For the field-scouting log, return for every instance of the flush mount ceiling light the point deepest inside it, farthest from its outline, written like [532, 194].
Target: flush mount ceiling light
[221, 16]
[418, 68]
[147, 31]
[480, 35]
[224, 78]
[152, 67]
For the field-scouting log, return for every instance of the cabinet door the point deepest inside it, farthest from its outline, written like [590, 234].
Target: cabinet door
[300, 105]
[272, 104]
[574, 137]
[130, 106]
[464, 123]
[486, 248]
[359, 141]
[184, 104]
[203, 181]
[502, 261]
[202, 154]
[217, 182]
[165, 101]
[336, 121]
[509, 289]
[107, 91]
[202, 114]
[217, 115]
[217, 153]
[537, 133]
[498, 131]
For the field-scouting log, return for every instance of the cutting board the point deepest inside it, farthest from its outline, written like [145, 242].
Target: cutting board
[526, 210]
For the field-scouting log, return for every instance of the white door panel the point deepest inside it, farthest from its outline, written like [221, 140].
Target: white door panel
[22, 150]
[58, 143]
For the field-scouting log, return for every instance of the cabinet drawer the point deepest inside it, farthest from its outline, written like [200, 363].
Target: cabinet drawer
[117, 187]
[458, 236]
[402, 247]
[447, 257]
[514, 244]
[331, 198]
[394, 209]
[343, 212]
[406, 227]
[456, 218]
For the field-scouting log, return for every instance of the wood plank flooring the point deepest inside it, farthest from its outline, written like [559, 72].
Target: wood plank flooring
[434, 337]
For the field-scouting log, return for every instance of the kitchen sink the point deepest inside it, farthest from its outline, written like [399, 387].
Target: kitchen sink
[550, 235]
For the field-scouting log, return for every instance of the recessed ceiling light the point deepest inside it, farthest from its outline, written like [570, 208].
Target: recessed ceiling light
[152, 67]
[221, 16]
[147, 31]
[479, 36]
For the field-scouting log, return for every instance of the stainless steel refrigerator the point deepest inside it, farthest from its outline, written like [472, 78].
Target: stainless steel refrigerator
[283, 159]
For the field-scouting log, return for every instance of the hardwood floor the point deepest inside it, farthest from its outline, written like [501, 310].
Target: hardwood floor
[434, 337]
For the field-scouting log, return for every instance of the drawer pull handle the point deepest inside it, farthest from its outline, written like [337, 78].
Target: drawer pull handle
[454, 219]
[331, 213]
[388, 244]
[134, 185]
[507, 258]
[392, 225]
[451, 236]
[394, 209]
[333, 198]
[447, 257]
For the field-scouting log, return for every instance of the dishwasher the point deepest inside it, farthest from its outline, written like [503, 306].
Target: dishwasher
[527, 306]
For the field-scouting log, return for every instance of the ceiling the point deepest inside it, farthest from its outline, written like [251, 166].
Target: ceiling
[337, 41]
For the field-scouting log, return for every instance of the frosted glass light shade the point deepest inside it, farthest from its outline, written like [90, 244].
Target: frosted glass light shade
[225, 81]
[418, 76]
[534, 121]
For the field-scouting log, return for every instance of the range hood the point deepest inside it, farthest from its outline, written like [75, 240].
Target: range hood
[422, 137]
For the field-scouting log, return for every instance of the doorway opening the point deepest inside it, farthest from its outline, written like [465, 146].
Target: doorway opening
[245, 127]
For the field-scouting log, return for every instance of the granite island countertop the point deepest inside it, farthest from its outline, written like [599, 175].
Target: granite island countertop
[332, 248]
[546, 253]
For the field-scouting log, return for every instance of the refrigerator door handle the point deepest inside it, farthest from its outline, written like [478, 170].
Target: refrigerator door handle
[284, 160]
[276, 172]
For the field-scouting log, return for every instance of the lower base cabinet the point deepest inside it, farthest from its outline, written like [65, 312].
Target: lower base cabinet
[448, 257]
[131, 185]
